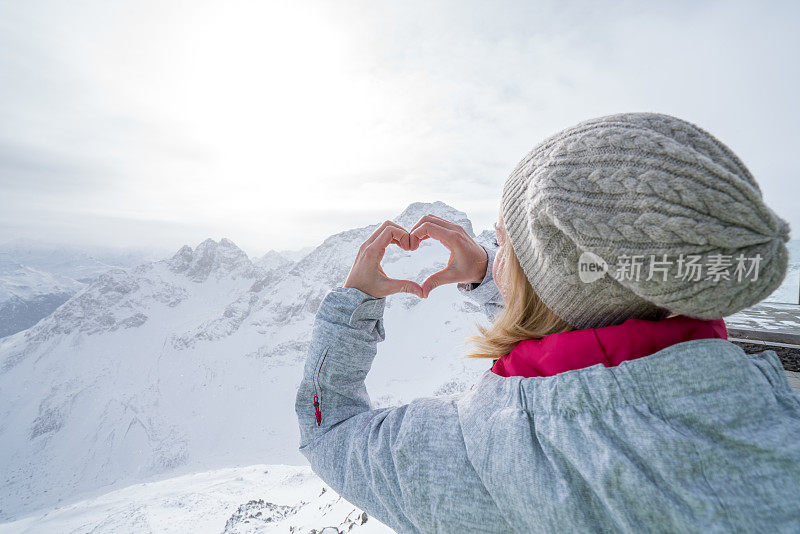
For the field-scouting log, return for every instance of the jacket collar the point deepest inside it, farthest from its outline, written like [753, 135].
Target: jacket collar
[609, 345]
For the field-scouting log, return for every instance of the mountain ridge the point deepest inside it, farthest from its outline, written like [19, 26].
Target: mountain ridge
[192, 362]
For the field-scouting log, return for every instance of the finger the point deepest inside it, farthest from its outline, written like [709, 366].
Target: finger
[394, 285]
[439, 278]
[404, 243]
[430, 217]
[378, 231]
[390, 234]
[436, 220]
[449, 238]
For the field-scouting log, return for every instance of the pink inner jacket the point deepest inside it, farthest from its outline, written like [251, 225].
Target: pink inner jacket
[609, 345]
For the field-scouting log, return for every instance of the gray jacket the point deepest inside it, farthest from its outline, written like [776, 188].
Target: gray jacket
[699, 437]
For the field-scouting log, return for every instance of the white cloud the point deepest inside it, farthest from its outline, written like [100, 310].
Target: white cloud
[263, 121]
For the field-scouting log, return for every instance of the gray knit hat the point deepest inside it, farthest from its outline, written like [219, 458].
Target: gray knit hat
[639, 215]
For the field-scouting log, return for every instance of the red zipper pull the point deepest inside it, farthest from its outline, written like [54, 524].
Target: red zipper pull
[316, 381]
[316, 410]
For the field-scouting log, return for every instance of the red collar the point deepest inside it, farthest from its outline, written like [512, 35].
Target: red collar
[609, 345]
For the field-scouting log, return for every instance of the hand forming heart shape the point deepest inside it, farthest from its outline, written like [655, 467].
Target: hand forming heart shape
[467, 263]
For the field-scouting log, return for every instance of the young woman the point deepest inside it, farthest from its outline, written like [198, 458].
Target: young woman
[615, 401]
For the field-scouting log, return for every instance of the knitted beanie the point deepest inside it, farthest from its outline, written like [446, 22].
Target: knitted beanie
[639, 215]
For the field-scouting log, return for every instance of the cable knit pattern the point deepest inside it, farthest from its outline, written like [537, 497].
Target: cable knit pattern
[640, 184]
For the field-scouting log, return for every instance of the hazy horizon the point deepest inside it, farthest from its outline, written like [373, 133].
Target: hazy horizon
[163, 251]
[155, 124]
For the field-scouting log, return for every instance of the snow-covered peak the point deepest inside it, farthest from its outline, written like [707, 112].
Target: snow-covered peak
[129, 298]
[24, 282]
[37, 278]
[273, 260]
[181, 260]
[218, 258]
[27, 295]
[416, 210]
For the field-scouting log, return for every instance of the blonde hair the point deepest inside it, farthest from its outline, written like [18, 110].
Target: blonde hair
[524, 316]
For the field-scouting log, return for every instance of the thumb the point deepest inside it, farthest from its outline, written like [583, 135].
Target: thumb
[403, 286]
[445, 276]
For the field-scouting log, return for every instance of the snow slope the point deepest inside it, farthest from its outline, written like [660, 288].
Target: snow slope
[192, 363]
[274, 261]
[260, 498]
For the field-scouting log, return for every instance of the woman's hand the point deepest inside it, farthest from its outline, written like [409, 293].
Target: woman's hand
[367, 274]
[468, 260]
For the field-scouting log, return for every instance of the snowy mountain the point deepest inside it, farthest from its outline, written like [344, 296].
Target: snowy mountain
[192, 363]
[36, 278]
[256, 499]
[28, 294]
[296, 255]
[273, 261]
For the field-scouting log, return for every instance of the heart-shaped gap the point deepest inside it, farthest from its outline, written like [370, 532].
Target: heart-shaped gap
[416, 265]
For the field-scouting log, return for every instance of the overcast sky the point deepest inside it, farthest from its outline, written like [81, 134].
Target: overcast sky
[277, 124]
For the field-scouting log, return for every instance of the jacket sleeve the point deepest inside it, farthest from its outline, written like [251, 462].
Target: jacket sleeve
[485, 293]
[386, 461]
[349, 445]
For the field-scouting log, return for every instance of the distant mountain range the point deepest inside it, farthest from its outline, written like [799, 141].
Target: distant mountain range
[192, 363]
[38, 277]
